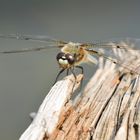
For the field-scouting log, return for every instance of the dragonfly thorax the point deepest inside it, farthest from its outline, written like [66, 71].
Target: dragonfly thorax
[71, 48]
[65, 60]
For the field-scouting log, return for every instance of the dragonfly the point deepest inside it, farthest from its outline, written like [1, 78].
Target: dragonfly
[71, 54]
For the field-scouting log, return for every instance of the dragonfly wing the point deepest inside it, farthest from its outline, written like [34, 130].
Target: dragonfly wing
[118, 48]
[28, 49]
[50, 42]
[133, 43]
[38, 38]
[91, 59]
[117, 56]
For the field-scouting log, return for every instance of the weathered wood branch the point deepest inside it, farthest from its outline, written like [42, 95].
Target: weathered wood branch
[108, 108]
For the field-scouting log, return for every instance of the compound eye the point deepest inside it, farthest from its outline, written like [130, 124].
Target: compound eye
[60, 55]
[70, 58]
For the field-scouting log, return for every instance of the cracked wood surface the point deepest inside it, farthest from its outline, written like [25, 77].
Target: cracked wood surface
[107, 109]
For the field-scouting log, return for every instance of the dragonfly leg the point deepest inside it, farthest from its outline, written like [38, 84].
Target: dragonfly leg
[82, 72]
[67, 72]
[72, 71]
[80, 67]
[61, 71]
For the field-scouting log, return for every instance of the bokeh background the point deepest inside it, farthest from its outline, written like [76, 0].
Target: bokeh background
[26, 78]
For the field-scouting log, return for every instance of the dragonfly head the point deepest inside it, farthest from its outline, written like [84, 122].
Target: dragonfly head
[65, 60]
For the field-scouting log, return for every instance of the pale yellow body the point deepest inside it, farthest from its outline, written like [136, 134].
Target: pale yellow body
[82, 56]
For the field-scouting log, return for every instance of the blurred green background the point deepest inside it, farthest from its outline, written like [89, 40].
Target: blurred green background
[26, 78]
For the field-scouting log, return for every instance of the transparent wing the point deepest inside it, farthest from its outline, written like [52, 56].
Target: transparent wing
[117, 49]
[122, 43]
[126, 56]
[39, 38]
[27, 49]
[50, 42]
